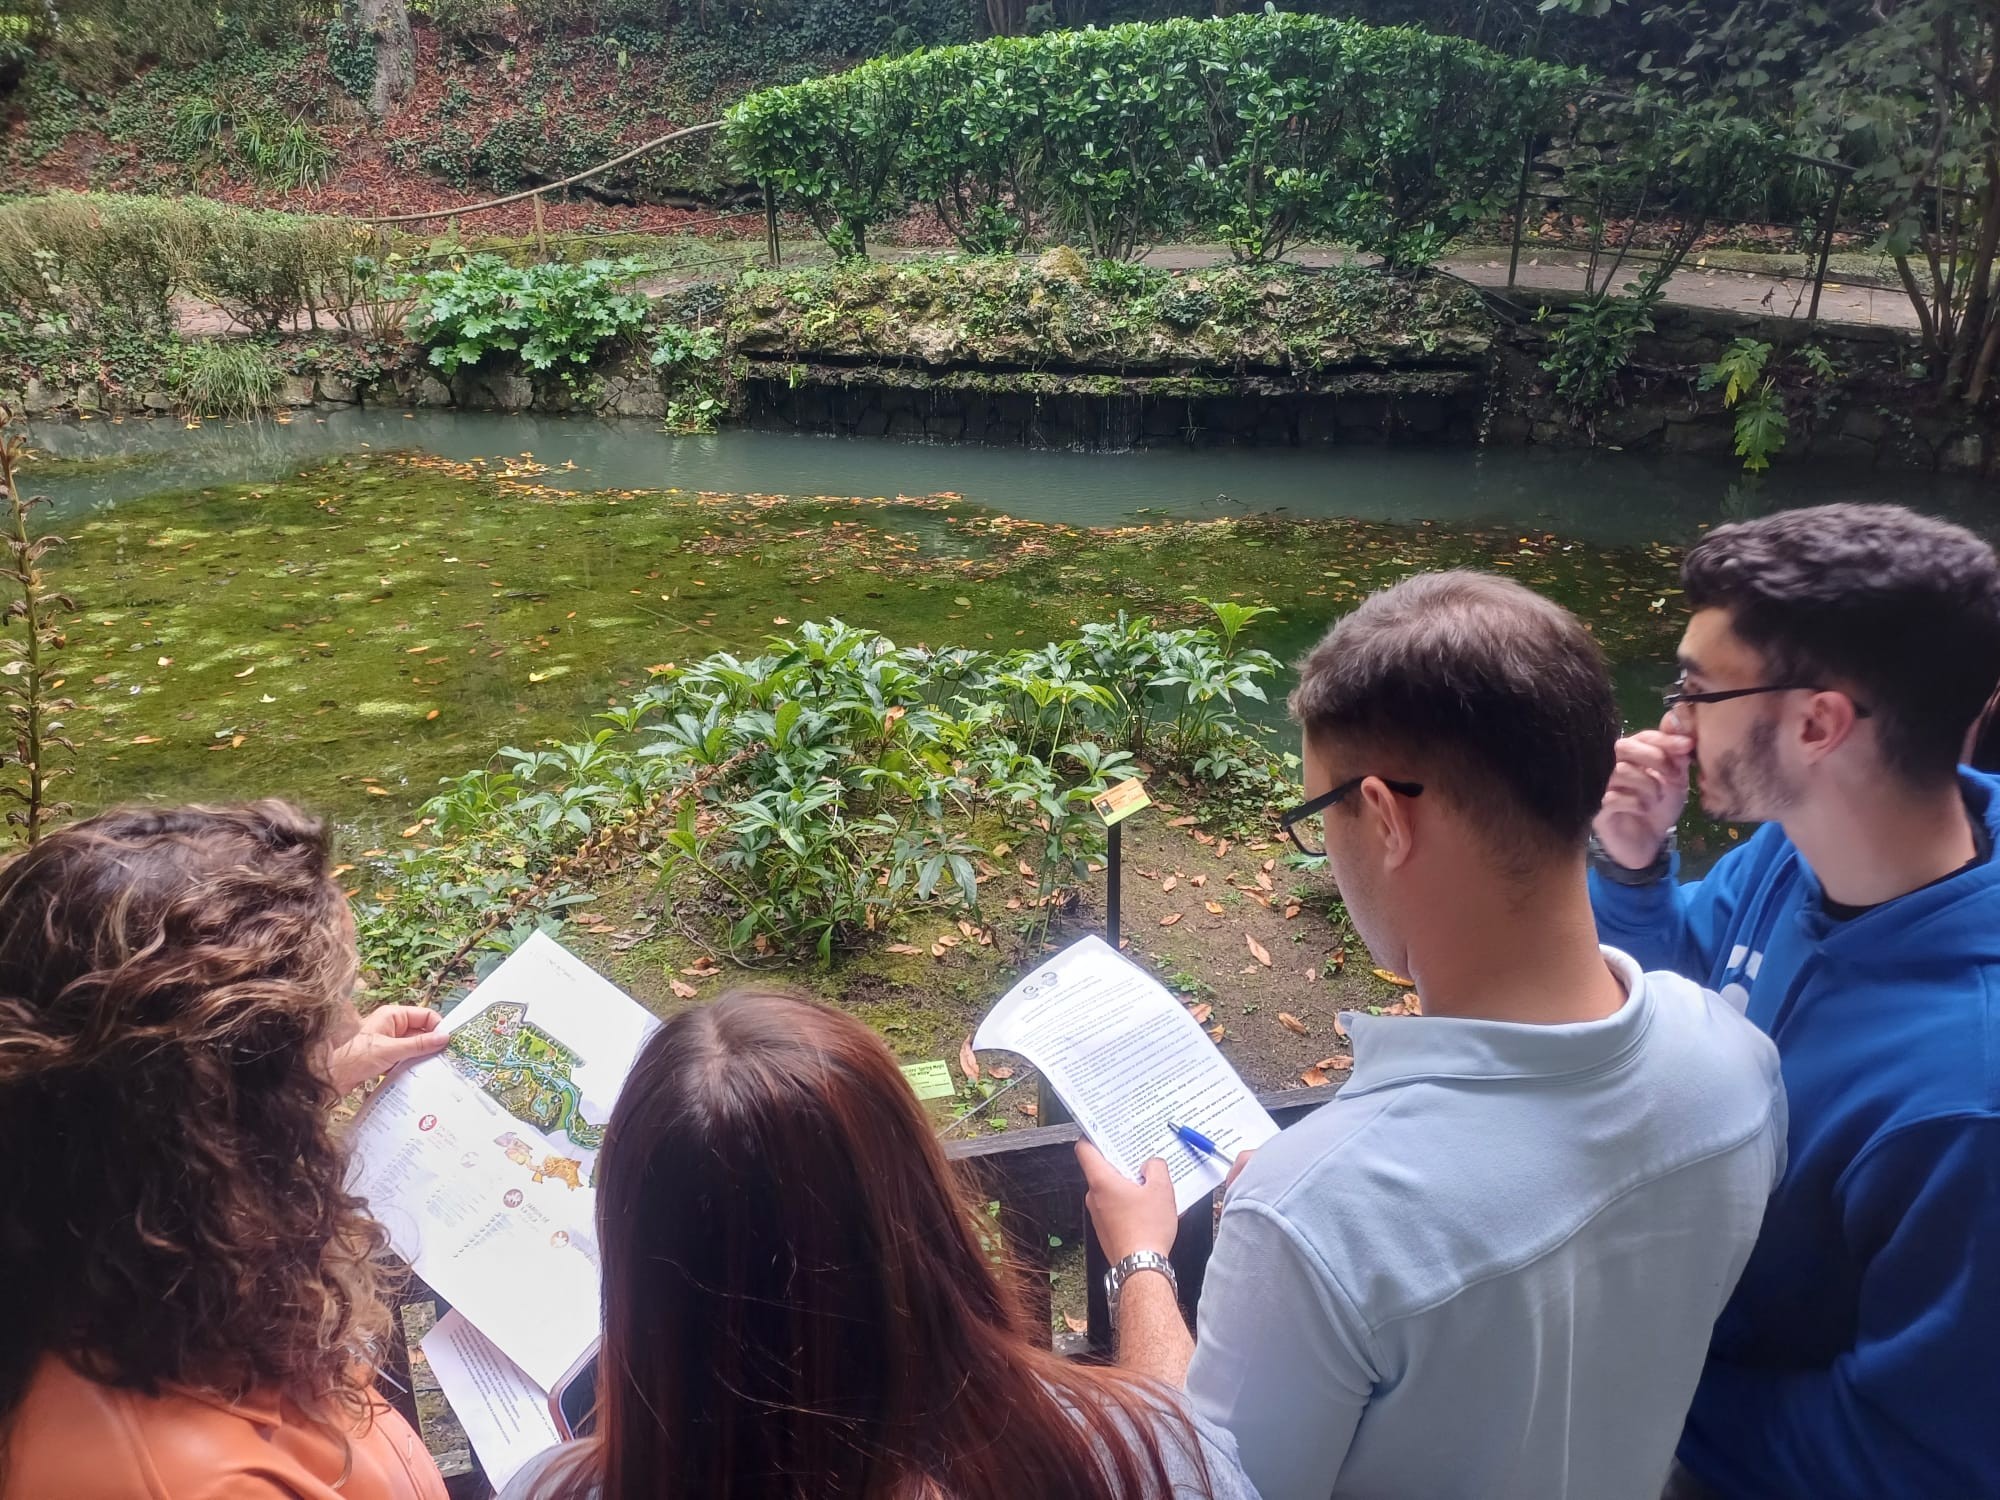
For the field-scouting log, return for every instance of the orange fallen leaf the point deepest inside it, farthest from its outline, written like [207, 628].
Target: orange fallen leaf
[1027, 870]
[938, 950]
[1003, 1072]
[413, 830]
[1258, 951]
[1197, 881]
[376, 791]
[910, 949]
[1270, 865]
[1292, 1023]
[1187, 822]
[1217, 1033]
[967, 928]
[1203, 838]
[1167, 885]
[1263, 881]
[1338, 1029]
[1312, 976]
[967, 1063]
[431, 715]
[1214, 907]
[1170, 918]
[1222, 849]
[1201, 1013]
[1291, 910]
[684, 991]
[1340, 1062]
[154, 739]
[1396, 979]
[1313, 1078]
[1075, 1324]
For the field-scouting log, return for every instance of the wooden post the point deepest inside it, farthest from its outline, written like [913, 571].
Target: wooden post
[541, 236]
[771, 226]
[1114, 879]
[1521, 211]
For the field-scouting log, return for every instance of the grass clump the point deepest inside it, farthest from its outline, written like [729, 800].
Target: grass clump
[228, 378]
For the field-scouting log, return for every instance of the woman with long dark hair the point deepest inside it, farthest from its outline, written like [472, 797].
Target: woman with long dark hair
[190, 1304]
[801, 1303]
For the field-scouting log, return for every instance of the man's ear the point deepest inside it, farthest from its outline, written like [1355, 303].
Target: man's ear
[1393, 820]
[1829, 721]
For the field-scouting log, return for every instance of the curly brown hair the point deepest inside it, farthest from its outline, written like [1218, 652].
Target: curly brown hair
[172, 1208]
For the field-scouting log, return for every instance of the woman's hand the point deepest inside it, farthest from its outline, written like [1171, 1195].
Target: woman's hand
[389, 1034]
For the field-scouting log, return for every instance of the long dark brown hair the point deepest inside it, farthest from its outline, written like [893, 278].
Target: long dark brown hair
[800, 1303]
[171, 1201]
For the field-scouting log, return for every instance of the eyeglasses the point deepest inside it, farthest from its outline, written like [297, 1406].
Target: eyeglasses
[1678, 694]
[1290, 822]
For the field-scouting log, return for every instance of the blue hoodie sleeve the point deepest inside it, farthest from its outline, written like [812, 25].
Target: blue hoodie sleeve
[1908, 1412]
[1673, 926]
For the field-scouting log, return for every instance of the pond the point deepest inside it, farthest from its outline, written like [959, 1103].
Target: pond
[345, 609]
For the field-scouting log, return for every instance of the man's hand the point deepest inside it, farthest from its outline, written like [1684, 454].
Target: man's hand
[1128, 1216]
[1648, 789]
[389, 1034]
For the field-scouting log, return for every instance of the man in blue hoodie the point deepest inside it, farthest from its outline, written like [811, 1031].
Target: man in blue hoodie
[1833, 663]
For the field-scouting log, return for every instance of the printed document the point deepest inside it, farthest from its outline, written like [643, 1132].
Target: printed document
[1128, 1060]
[480, 1161]
[505, 1415]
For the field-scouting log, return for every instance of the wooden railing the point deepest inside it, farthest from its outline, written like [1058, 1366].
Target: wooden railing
[1033, 1175]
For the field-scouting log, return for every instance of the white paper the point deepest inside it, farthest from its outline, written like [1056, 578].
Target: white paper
[479, 1161]
[505, 1414]
[1128, 1060]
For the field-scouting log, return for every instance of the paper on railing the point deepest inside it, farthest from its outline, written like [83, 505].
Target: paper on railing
[1128, 1060]
[479, 1161]
[505, 1414]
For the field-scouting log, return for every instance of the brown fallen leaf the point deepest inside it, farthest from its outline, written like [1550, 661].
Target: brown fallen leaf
[986, 938]
[1312, 976]
[1338, 1029]
[1214, 907]
[967, 1063]
[1197, 881]
[1396, 979]
[1003, 1072]
[1270, 865]
[1217, 1033]
[1075, 1324]
[1030, 1110]
[1201, 1013]
[1258, 951]
[373, 791]
[1222, 849]
[967, 928]
[950, 939]
[1027, 870]
[1167, 885]
[909, 949]
[1013, 903]
[1292, 1023]
[1264, 882]
[1187, 822]
[938, 950]
[685, 991]
[1170, 918]
[1203, 838]
[1312, 1078]
[1291, 910]
[1340, 1062]
[432, 715]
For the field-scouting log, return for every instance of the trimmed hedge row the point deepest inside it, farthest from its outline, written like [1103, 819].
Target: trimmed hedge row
[70, 257]
[1257, 129]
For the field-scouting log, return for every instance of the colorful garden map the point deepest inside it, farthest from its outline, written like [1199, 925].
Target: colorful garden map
[526, 1069]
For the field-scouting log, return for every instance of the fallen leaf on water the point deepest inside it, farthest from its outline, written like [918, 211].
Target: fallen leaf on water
[431, 715]
[1201, 1013]
[1258, 951]
[1313, 1078]
[1292, 1023]
[1396, 979]
[1170, 918]
[244, 673]
[538, 677]
[781, 620]
[166, 661]
[1214, 907]
[968, 1064]
[413, 830]
[377, 791]
[1167, 885]
[154, 739]
[684, 991]
[1340, 1062]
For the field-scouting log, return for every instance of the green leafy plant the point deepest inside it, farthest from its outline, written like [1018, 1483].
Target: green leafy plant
[230, 378]
[553, 317]
[1591, 343]
[1761, 393]
[30, 669]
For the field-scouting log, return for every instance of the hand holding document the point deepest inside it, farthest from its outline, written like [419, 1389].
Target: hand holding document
[1130, 1063]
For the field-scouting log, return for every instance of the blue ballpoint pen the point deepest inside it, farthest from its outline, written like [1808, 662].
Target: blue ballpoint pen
[1192, 1137]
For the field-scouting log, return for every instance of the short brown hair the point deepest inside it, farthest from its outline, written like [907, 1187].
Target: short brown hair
[172, 1201]
[1903, 608]
[1495, 697]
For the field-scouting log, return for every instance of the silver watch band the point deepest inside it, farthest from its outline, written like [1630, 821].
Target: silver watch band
[1139, 1260]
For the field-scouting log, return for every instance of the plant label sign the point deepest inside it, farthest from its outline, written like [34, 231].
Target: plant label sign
[931, 1080]
[1121, 801]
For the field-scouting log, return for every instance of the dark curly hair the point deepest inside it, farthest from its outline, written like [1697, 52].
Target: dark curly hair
[1902, 608]
[171, 1199]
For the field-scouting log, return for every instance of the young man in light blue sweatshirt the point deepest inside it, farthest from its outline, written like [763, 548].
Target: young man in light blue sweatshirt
[1835, 659]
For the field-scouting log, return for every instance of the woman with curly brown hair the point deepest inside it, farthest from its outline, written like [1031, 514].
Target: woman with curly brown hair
[191, 1301]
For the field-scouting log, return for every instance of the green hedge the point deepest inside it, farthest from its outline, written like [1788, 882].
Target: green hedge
[71, 257]
[1257, 129]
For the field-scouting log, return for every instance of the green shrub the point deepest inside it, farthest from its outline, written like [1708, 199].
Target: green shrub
[229, 378]
[553, 316]
[1259, 128]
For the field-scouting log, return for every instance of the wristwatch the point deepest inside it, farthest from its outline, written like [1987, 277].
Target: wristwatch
[1138, 1260]
[1619, 874]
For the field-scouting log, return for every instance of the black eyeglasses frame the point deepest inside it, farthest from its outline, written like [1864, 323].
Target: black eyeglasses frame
[1289, 823]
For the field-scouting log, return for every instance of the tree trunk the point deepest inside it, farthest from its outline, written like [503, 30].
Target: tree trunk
[388, 22]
